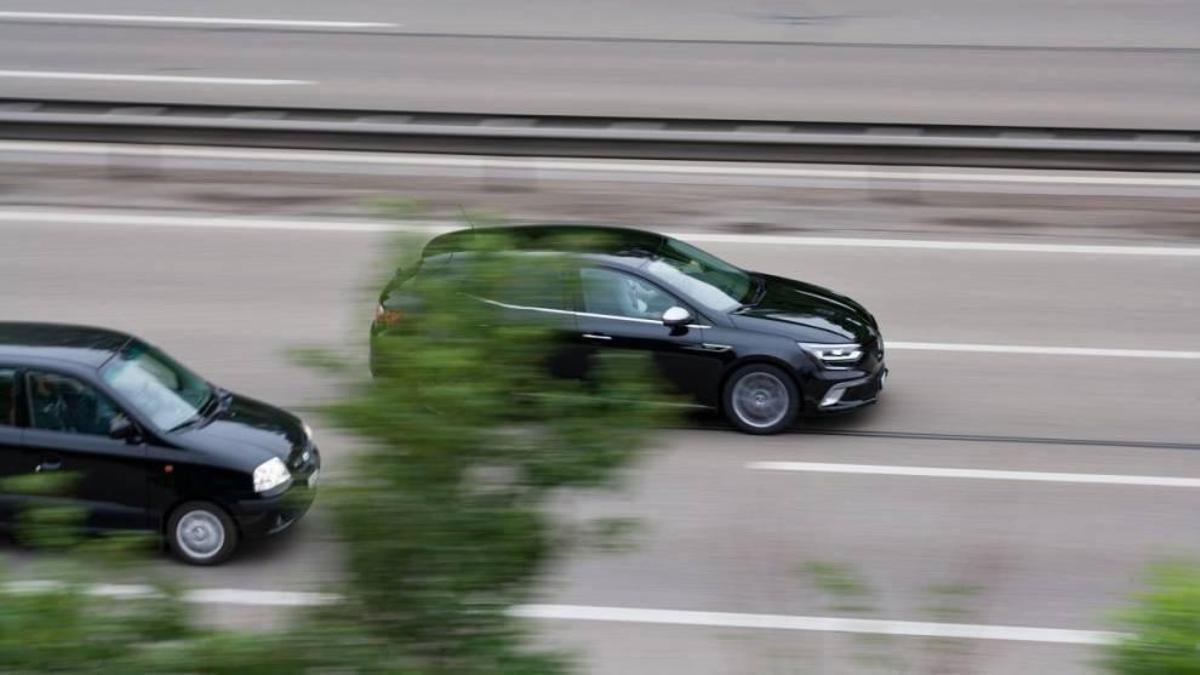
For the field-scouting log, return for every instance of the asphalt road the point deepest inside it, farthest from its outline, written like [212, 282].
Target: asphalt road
[1116, 64]
[718, 535]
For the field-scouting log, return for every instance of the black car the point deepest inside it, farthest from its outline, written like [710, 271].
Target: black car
[760, 348]
[145, 443]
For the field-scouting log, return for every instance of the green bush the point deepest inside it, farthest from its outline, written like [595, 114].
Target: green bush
[1164, 626]
[443, 511]
[467, 437]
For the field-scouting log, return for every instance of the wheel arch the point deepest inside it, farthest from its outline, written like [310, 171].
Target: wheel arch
[169, 512]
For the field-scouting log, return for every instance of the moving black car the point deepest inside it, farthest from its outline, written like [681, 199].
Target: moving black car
[146, 444]
[760, 348]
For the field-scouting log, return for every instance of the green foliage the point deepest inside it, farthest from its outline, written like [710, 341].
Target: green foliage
[467, 437]
[841, 583]
[61, 628]
[1164, 626]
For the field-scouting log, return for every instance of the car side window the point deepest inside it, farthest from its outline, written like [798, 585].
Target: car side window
[8, 397]
[613, 293]
[539, 285]
[61, 403]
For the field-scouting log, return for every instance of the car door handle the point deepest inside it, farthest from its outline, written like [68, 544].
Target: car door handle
[597, 336]
[53, 464]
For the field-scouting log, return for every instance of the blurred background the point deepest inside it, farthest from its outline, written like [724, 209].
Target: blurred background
[1011, 187]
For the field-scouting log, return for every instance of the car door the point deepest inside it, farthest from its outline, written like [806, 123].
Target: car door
[68, 432]
[537, 294]
[621, 310]
[10, 442]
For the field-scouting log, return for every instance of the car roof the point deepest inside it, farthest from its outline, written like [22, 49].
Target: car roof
[593, 241]
[83, 345]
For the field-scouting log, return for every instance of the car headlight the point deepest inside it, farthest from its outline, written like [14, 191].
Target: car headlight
[834, 356]
[271, 474]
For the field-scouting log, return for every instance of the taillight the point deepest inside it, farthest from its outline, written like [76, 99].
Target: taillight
[387, 317]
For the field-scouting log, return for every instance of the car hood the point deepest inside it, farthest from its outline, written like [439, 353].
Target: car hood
[818, 314]
[248, 432]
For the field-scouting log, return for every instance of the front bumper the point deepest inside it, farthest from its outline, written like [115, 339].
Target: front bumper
[269, 515]
[852, 394]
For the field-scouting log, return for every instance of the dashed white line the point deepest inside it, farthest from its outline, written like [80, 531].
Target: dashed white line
[264, 598]
[1044, 351]
[126, 77]
[675, 617]
[59, 17]
[983, 474]
[201, 596]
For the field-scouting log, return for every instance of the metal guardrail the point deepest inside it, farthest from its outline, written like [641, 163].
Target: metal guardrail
[565, 136]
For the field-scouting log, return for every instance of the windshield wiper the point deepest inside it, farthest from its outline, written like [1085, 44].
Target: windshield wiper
[215, 402]
[759, 291]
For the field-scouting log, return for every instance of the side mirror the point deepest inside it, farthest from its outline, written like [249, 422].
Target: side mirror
[123, 429]
[676, 316]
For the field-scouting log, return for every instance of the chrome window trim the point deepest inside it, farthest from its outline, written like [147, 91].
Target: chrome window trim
[586, 314]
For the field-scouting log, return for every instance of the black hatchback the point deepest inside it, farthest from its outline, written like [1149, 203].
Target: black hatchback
[147, 444]
[762, 349]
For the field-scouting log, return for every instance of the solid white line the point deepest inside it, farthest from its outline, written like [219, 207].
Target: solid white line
[228, 222]
[211, 222]
[549, 165]
[1044, 351]
[121, 77]
[197, 20]
[675, 617]
[984, 474]
[982, 246]
[261, 598]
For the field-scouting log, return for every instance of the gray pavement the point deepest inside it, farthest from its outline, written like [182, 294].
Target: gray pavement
[1146, 24]
[716, 535]
[1124, 64]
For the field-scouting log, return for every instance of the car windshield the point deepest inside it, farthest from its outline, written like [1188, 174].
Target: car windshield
[705, 277]
[158, 387]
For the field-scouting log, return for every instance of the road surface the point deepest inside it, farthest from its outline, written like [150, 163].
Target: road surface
[1116, 64]
[755, 530]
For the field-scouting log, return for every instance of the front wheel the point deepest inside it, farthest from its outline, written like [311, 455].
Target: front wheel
[201, 533]
[761, 399]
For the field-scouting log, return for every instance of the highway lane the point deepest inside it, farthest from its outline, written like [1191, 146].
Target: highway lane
[258, 292]
[720, 536]
[1161, 24]
[972, 83]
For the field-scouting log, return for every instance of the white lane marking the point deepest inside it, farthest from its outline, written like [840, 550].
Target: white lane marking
[228, 222]
[213, 222]
[1044, 351]
[676, 617]
[201, 596]
[197, 20]
[984, 474]
[125, 77]
[925, 244]
[548, 165]
[260, 598]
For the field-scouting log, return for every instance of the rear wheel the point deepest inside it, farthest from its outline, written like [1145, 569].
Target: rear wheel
[201, 533]
[761, 399]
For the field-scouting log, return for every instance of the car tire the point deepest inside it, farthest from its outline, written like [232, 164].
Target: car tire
[201, 533]
[761, 399]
